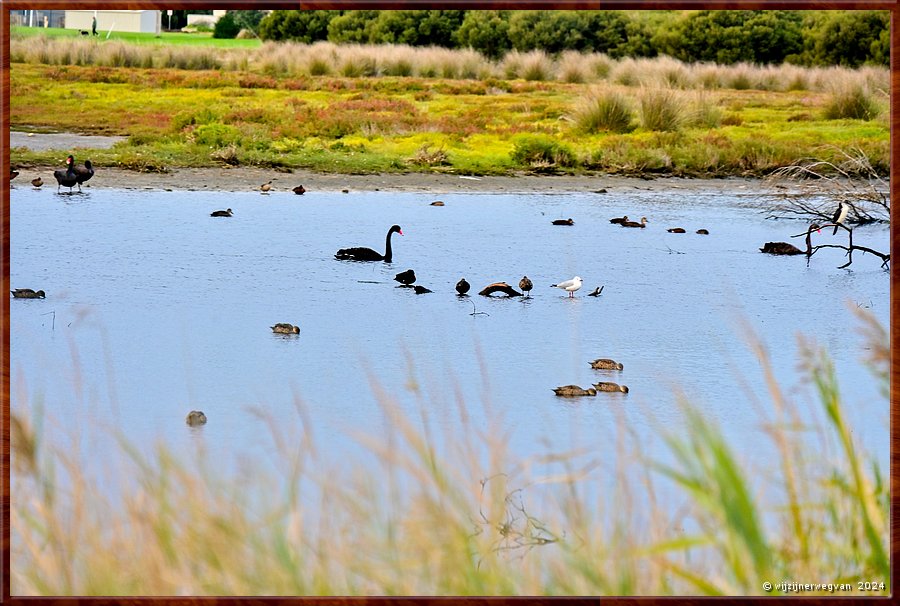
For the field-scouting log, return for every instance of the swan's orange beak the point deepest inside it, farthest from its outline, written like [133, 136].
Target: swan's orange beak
[400, 231]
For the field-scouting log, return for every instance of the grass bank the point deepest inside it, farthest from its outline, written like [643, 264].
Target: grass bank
[464, 517]
[362, 109]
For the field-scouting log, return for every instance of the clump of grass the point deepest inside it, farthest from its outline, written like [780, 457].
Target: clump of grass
[536, 66]
[604, 111]
[854, 102]
[540, 152]
[703, 111]
[575, 68]
[661, 109]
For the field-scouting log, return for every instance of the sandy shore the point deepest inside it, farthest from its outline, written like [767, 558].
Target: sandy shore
[249, 179]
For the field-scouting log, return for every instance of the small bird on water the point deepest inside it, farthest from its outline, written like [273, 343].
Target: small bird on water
[221, 213]
[196, 417]
[564, 222]
[299, 190]
[265, 187]
[462, 287]
[573, 391]
[27, 293]
[570, 286]
[606, 364]
[37, 181]
[607, 386]
[406, 278]
[285, 329]
[526, 285]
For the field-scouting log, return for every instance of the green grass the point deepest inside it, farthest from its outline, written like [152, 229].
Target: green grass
[166, 38]
[304, 122]
[460, 515]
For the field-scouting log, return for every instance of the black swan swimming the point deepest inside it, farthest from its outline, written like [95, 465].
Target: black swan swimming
[786, 248]
[66, 178]
[221, 213]
[83, 173]
[367, 254]
[526, 285]
[462, 287]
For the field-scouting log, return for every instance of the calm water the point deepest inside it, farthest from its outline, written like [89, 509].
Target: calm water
[154, 308]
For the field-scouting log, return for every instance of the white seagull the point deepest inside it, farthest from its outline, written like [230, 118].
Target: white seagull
[569, 286]
[839, 215]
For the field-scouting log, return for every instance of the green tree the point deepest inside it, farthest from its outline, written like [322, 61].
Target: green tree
[226, 26]
[300, 26]
[416, 28]
[486, 32]
[248, 20]
[852, 38]
[352, 26]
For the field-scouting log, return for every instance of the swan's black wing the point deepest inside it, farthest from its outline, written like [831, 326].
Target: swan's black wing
[358, 254]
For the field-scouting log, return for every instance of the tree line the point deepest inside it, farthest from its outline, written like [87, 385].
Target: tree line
[813, 38]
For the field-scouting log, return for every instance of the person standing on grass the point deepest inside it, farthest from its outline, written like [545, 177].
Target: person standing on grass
[94, 26]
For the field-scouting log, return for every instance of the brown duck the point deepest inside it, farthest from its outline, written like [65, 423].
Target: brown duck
[607, 386]
[285, 329]
[574, 391]
[606, 364]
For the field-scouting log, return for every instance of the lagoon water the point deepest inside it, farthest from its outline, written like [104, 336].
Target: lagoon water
[154, 308]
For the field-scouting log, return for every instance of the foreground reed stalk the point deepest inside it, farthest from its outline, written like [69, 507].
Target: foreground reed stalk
[458, 515]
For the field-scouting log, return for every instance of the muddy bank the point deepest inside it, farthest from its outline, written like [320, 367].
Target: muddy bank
[249, 179]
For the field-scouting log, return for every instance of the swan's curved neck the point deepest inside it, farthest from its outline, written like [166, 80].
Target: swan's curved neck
[387, 246]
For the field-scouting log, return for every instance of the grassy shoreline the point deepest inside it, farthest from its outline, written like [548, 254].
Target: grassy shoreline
[269, 113]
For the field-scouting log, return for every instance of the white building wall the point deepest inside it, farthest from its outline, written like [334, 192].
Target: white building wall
[119, 21]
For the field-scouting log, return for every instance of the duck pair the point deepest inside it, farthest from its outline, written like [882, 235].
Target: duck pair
[574, 391]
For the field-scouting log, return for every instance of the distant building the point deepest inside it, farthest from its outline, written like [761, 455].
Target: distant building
[33, 18]
[148, 22]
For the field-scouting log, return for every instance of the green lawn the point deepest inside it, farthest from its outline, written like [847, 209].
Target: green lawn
[178, 38]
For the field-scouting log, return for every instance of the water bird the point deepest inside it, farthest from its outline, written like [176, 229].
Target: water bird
[607, 386]
[572, 391]
[619, 220]
[564, 222]
[68, 177]
[840, 215]
[37, 181]
[643, 223]
[703, 232]
[786, 248]
[570, 286]
[462, 287]
[221, 213]
[421, 290]
[27, 293]
[83, 173]
[436, 203]
[503, 287]
[285, 329]
[596, 292]
[196, 417]
[406, 278]
[526, 285]
[13, 173]
[265, 187]
[299, 190]
[676, 230]
[606, 364]
[367, 254]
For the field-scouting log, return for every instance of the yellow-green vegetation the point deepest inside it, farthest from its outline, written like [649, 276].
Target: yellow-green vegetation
[365, 109]
[461, 516]
[164, 38]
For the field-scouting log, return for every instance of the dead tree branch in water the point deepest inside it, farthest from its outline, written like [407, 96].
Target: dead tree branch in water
[811, 250]
[853, 180]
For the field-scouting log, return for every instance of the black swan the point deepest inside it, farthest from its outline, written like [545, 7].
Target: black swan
[786, 248]
[571, 391]
[839, 216]
[37, 181]
[299, 190]
[564, 222]
[406, 278]
[285, 329]
[570, 286]
[703, 232]
[606, 386]
[643, 223]
[619, 220]
[221, 213]
[367, 254]
[196, 417]
[526, 285]
[67, 178]
[676, 230]
[606, 364]
[84, 173]
[27, 293]
[462, 287]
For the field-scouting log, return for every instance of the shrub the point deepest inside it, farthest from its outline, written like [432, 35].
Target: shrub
[604, 111]
[855, 102]
[541, 152]
[661, 109]
[216, 135]
[226, 26]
